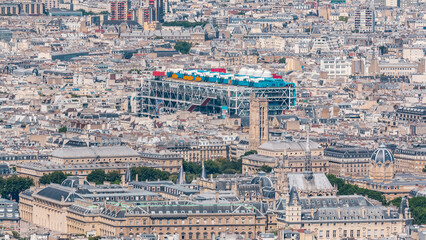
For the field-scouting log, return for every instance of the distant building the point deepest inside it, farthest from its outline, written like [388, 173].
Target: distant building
[9, 8]
[75, 207]
[5, 34]
[336, 67]
[347, 160]
[155, 9]
[32, 8]
[411, 114]
[364, 21]
[383, 176]
[338, 217]
[120, 10]
[411, 160]
[49, 4]
[197, 150]
[9, 215]
[83, 155]
[54, 12]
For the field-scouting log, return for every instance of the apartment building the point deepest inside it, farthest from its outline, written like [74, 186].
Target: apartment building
[336, 67]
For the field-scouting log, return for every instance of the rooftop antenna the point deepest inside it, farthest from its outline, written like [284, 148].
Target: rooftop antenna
[317, 8]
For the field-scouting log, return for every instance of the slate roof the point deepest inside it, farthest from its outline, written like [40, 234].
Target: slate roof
[57, 193]
[94, 152]
[289, 145]
[319, 182]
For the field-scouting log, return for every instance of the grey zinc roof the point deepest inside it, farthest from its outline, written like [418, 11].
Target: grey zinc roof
[93, 152]
[319, 182]
[281, 145]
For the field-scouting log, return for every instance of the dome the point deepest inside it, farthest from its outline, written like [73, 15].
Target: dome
[250, 71]
[258, 73]
[267, 74]
[263, 179]
[243, 71]
[382, 154]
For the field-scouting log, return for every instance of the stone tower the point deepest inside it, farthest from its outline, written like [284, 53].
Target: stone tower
[259, 122]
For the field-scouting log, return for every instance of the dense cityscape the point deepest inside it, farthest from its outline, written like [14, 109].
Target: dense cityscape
[220, 119]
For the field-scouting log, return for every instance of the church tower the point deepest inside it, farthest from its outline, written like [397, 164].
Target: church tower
[259, 122]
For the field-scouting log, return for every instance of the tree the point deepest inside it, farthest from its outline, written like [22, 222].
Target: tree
[16, 235]
[54, 177]
[396, 201]
[85, 13]
[184, 24]
[97, 176]
[265, 168]
[343, 19]
[95, 238]
[11, 187]
[418, 209]
[349, 189]
[150, 174]
[211, 167]
[127, 55]
[218, 166]
[190, 167]
[183, 47]
[250, 153]
[383, 50]
[113, 177]
[63, 129]
[282, 60]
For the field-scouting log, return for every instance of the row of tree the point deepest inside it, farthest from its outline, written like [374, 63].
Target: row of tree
[349, 189]
[183, 47]
[417, 207]
[99, 176]
[11, 187]
[148, 173]
[54, 177]
[184, 24]
[218, 166]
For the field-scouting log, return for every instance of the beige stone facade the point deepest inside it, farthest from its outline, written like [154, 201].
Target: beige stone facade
[259, 122]
[331, 219]
[67, 156]
[411, 160]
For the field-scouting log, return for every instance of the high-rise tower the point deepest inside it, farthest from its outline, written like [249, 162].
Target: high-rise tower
[120, 10]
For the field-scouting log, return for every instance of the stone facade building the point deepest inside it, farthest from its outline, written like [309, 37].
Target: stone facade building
[337, 217]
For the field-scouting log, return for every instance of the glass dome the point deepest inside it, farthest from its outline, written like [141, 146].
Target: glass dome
[263, 179]
[382, 155]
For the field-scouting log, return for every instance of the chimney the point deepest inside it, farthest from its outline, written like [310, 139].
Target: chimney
[81, 181]
[363, 211]
[338, 212]
[137, 178]
[123, 180]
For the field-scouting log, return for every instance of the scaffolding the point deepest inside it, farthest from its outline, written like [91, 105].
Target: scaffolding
[162, 95]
